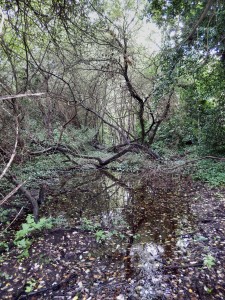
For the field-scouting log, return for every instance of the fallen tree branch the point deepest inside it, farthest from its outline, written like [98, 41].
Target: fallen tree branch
[136, 145]
[114, 157]
[101, 163]
[63, 150]
[22, 295]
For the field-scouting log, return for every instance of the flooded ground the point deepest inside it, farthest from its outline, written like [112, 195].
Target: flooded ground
[124, 236]
[146, 216]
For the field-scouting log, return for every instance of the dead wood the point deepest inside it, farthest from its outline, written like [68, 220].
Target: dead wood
[101, 163]
[136, 146]
[12, 178]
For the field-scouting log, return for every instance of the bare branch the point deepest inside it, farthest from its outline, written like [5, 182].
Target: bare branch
[14, 150]
[20, 96]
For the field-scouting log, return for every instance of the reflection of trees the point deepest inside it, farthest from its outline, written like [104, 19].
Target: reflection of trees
[90, 194]
[155, 204]
[87, 193]
[150, 204]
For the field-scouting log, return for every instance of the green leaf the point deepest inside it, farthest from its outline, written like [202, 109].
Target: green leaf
[209, 261]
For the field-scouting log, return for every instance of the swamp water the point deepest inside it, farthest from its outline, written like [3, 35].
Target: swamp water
[139, 222]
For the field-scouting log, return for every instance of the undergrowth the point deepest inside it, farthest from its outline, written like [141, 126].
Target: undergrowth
[22, 238]
[210, 171]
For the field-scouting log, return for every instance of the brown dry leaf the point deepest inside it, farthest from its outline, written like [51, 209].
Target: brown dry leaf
[126, 257]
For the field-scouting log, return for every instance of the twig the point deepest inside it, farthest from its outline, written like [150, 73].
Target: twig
[12, 193]
[14, 219]
[64, 127]
[23, 295]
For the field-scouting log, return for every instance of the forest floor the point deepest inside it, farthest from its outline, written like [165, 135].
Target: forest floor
[70, 263]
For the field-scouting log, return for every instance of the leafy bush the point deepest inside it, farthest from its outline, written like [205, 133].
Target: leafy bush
[3, 246]
[22, 239]
[30, 226]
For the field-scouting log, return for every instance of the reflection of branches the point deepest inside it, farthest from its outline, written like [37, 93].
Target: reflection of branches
[103, 191]
[116, 180]
[77, 186]
[14, 150]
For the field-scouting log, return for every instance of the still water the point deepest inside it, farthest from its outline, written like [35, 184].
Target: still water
[144, 217]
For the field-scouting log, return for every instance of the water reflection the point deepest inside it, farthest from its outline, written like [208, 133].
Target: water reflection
[150, 210]
[154, 208]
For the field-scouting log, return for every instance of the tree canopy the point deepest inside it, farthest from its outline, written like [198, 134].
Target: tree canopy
[88, 61]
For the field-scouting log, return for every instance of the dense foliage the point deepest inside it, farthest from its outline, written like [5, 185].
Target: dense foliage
[77, 77]
[194, 45]
[85, 58]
